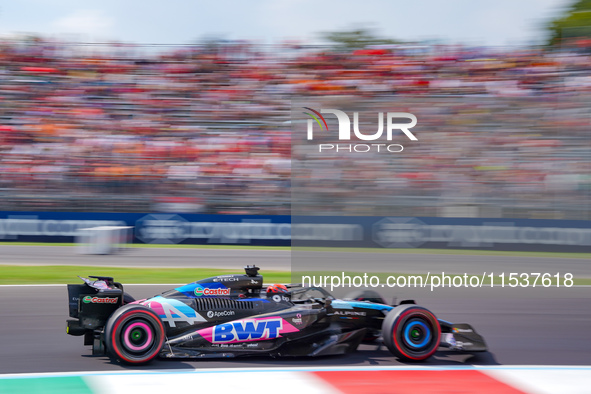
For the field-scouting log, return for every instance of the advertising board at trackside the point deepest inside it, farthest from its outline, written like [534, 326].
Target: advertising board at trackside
[329, 231]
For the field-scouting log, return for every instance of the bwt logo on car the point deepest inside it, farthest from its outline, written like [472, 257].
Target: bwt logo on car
[206, 291]
[247, 330]
[345, 131]
[99, 300]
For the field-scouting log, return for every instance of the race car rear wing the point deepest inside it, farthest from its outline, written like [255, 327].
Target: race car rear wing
[94, 301]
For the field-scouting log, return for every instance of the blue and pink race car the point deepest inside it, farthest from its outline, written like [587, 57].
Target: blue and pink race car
[232, 316]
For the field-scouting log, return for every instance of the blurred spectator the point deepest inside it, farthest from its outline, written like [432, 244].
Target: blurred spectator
[202, 129]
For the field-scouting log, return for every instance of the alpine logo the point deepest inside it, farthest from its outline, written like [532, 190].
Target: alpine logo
[173, 311]
[99, 300]
[350, 313]
[206, 291]
[247, 330]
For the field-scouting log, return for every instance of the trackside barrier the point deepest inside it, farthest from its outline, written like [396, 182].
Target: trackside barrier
[322, 231]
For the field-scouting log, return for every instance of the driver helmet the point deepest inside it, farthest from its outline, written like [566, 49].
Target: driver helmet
[277, 289]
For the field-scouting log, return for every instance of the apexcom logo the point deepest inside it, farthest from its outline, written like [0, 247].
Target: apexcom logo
[392, 124]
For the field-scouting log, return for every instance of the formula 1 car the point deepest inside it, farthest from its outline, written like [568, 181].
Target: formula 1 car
[231, 316]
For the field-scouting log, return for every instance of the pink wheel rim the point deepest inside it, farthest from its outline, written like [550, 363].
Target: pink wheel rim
[128, 330]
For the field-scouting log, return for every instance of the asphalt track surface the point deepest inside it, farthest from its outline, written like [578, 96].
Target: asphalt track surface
[522, 326]
[297, 261]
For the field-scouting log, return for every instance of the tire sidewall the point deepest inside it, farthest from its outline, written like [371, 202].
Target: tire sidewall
[394, 323]
[119, 321]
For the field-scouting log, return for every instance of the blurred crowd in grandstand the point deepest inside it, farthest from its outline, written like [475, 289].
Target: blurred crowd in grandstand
[205, 129]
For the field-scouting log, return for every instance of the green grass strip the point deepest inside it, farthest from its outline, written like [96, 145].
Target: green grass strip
[50, 385]
[61, 274]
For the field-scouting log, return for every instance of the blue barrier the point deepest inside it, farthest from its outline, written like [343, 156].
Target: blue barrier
[157, 228]
[329, 231]
[452, 233]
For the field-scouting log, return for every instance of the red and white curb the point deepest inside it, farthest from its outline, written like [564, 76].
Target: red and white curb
[330, 380]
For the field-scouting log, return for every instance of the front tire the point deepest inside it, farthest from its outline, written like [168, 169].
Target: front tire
[134, 334]
[411, 333]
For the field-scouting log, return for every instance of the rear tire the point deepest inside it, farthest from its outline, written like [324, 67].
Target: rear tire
[134, 334]
[411, 333]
